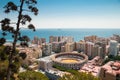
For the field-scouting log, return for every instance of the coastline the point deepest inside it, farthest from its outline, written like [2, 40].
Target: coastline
[77, 34]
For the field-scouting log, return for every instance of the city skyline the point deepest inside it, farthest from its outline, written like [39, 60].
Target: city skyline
[74, 13]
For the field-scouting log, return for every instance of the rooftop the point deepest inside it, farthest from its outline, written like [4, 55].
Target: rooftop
[46, 59]
[112, 67]
[91, 67]
[114, 41]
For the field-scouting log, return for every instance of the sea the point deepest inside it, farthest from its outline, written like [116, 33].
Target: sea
[77, 34]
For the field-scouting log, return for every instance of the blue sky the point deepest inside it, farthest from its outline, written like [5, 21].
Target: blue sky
[75, 13]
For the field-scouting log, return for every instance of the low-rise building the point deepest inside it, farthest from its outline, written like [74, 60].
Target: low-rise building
[45, 63]
[32, 53]
[92, 67]
[110, 71]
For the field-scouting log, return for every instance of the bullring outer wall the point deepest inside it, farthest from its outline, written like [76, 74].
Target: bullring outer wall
[80, 57]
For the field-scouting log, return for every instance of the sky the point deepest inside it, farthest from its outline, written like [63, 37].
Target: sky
[73, 13]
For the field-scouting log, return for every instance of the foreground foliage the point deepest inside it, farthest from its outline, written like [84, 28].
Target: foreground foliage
[13, 27]
[64, 69]
[4, 63]
[3, 69]
[32, 75]
[79, 76]
[111, 58]
[75, 75]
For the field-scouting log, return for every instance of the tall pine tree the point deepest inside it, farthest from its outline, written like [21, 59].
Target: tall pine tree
[6, 27]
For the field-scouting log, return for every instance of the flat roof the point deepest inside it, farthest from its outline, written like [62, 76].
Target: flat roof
[112, 67]
[46, 59]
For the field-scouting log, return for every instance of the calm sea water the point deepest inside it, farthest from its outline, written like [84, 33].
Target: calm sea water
[78, 34]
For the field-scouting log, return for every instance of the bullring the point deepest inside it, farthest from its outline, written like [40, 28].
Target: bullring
[70, 60]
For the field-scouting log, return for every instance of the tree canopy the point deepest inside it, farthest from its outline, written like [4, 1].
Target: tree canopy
[79, 76]
[74, 74]
[111, 58]
[4, 62]
[32, 75]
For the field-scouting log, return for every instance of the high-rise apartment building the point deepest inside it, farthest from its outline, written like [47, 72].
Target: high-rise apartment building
[67, 39]
[69, 47]
[113, 48]
[89, 49]
[56, 46]
[102, 49]
[46, 49]
[90, 38]
[80, 46]
[53, 39]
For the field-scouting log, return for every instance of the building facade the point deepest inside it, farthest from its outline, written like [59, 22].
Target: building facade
[113, 48]
[110, 71]
[46, 49]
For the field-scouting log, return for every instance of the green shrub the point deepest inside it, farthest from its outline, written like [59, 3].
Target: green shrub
[32, 75]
